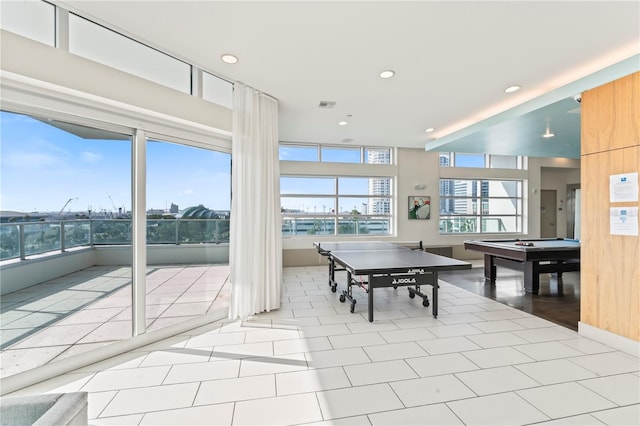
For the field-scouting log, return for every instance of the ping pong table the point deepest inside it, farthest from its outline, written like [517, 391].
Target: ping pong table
[385, 265]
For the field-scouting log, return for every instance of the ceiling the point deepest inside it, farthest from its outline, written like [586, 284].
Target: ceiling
[452, 61]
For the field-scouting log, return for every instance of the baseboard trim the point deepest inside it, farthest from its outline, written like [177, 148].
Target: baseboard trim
[608, 338]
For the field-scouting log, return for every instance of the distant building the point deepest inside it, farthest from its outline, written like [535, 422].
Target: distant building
[379, 186]
[201, 212]
[174, 209]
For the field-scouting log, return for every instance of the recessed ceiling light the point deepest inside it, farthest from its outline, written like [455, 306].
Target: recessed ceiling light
[429, 130]
[228, 58]
[387, 74]
[342, 123]
[548, 134]
[512, 89]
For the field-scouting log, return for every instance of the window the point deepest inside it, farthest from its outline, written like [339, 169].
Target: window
[217, 90]
[480, 206]
[188, 194]
[335, 205]
[457, 159]
[291, 152]
[31, 19]
[334, 154]
[107, 47]
[64, 186]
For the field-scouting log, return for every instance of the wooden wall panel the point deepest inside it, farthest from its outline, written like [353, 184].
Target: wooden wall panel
[610, 264]
[610, 116]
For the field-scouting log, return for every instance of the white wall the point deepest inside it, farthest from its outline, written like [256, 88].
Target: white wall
[554, 178]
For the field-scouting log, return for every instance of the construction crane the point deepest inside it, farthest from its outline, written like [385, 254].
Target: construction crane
[115, 209]
[65, 206]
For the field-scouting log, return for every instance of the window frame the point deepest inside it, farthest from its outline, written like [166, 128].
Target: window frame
[334, 219]
[480, 199]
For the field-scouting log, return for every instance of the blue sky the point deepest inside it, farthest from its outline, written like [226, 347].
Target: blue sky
[41, 167]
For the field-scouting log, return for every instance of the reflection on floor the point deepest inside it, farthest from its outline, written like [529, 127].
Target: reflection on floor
[557, 301]
[92, 307]
[313, 362]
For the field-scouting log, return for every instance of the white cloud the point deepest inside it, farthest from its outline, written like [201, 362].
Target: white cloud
[90, 157]
[31, 160]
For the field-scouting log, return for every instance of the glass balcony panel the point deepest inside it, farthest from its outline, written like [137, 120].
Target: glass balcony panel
[41, 237]
[161, 231]
[460, 224]
[77, 233]
[111, 231]
[9, 241]
[316, 206]
[200, 231]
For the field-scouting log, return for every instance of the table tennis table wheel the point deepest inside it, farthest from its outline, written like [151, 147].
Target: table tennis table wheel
[425, 302]
[342, 298]
[334, 287]
[353, 306]
[411, 295]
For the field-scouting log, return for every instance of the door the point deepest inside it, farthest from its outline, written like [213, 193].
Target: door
[548, 213]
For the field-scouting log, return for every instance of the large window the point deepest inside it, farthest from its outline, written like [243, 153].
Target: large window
[335, 205]
[334, 154]
[64, 187]
[112, 49]
[482, 161]
[188, 194]
[480, 206]
[32, 19]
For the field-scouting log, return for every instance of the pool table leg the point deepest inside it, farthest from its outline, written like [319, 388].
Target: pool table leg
[489, 269]
[532, 277]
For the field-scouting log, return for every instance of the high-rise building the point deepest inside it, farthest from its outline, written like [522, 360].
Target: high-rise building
[379, 186]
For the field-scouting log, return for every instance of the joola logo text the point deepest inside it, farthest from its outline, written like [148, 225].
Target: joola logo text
[403, 281]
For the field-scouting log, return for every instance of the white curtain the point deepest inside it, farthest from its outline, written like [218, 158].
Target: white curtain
[255, 252]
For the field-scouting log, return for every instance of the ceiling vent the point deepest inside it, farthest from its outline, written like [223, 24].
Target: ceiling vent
[327, 104]
[347, 140]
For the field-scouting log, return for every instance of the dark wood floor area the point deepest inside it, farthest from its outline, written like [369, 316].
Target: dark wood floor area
[559, 303]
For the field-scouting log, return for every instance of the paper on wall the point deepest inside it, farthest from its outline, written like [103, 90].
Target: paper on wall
[623, 221]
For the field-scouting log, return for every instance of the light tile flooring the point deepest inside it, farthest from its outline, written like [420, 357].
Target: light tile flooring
[91, 308]
[312, 362]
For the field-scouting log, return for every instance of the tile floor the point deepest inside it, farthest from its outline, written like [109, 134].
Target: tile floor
[312, 362]
[92, 307]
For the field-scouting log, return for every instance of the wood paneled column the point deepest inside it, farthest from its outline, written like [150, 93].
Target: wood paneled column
[610, 264]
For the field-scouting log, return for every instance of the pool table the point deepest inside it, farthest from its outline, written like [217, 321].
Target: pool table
[532, 256]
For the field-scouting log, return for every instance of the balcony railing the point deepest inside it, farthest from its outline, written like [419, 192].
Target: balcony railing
[22, 239]
[335, 225]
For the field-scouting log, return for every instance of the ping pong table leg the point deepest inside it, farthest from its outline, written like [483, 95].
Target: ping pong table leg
[434, 295]
[371, 297]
